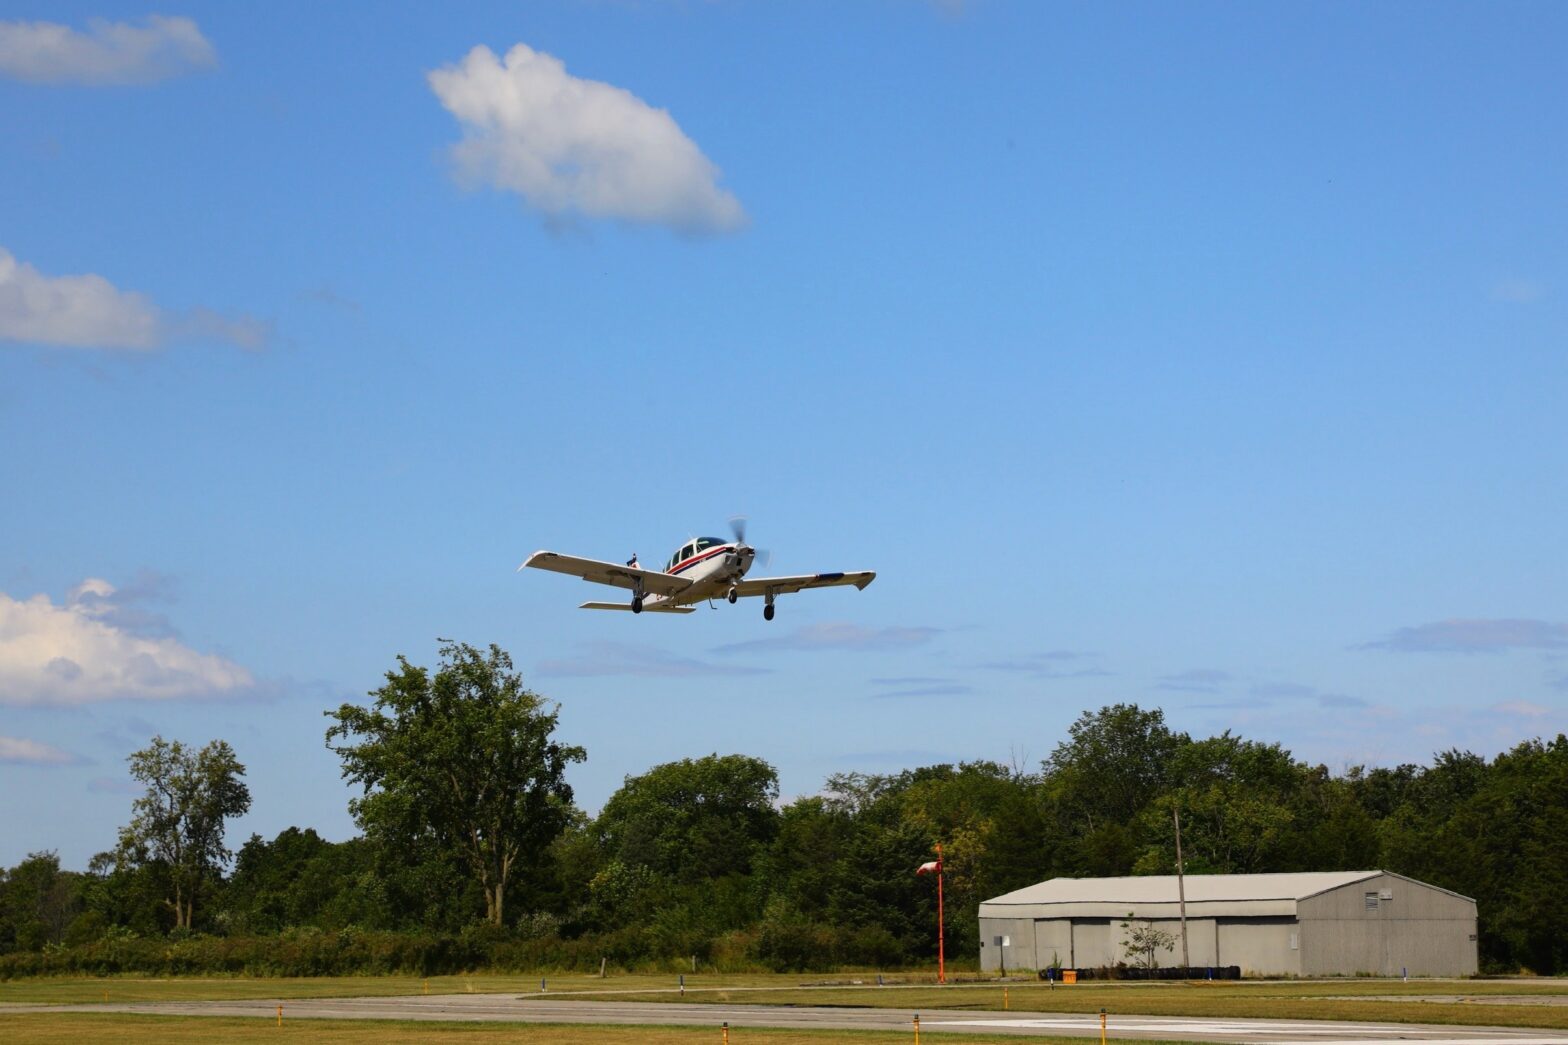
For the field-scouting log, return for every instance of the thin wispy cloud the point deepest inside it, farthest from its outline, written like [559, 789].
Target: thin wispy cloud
[619, 658]
[1195, 680]
[1522, 709]
[836, 636]
[1477, 635]
[1284, 694]
[950, 689]
[909, 680]
[1518, 291]
[106, 53]
[1050, 665]
[20, 751]
[570, 146]
[83, 651]
[87, 311]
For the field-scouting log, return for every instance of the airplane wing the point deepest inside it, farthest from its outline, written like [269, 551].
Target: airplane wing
[612, 573]
[786, 585]
[647, 607]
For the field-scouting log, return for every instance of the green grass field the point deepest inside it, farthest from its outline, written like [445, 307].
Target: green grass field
[63, 1028]
[1457, 1002]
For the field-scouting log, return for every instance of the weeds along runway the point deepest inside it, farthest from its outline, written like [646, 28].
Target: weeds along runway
[509, 1008]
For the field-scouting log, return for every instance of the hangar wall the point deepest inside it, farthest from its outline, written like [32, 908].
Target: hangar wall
[1340, 923]
[1387, 925]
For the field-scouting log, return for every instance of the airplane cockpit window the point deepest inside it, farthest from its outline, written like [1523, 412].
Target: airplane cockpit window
[704, 543]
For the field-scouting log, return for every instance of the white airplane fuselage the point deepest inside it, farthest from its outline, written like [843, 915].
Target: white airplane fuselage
[712, 572]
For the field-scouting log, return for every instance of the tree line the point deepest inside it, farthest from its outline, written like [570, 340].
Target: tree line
[472, 852]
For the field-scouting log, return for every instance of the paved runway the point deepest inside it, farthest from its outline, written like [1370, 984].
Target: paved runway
[502, 1008]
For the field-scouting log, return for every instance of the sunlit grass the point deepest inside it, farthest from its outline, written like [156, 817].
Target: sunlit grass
[1357, 999]
[71, 1028]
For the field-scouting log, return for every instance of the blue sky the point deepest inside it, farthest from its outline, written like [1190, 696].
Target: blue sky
[1210, 358]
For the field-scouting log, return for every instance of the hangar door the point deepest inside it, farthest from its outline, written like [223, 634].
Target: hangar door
[1053, 939]
[1093, 943]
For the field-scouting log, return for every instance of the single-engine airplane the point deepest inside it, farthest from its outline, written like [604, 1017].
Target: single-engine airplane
[704, 569]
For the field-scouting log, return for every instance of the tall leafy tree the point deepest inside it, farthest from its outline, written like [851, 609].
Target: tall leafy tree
[462, 761]
[178, 824]
[699, 818]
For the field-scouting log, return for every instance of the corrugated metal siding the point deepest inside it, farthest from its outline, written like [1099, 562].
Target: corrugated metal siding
[1427, 930]
[1261, 948]
[1419, 928]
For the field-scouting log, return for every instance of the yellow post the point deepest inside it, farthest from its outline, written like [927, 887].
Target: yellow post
[726, 1033]
[280, 1015]
[917, 1028]
[1004, 999]
[1102, 1027]
[427, 986]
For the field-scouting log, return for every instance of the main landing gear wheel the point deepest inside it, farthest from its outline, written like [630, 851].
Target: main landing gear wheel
[734, 596]
[767, 612]
[636, 603]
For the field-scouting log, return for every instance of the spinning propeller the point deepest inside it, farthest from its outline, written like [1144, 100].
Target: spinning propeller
[738, 528]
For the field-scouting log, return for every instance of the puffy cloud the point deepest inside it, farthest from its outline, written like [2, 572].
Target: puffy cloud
[107, 53]
[88, 311]
[76, 311]
[31, 752]
[837, 637]
[1475, 636]
[79, 652]
[568, 145]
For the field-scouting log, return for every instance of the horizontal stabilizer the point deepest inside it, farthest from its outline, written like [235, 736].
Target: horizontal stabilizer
[647, 607]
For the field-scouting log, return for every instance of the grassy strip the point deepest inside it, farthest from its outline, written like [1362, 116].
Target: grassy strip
[1217, 998]
[1199, 1001]
[72, 1028]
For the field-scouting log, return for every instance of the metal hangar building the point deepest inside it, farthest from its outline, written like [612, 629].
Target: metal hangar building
[1317, 923]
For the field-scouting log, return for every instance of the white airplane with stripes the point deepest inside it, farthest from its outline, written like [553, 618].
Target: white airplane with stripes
[703, 569]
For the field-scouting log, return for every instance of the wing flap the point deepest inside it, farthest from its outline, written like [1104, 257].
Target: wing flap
[656, 607]
[614, 574]
[787, 585]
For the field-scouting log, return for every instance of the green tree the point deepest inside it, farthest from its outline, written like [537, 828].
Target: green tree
[696, 819]
[37, 902]
[1143, 943]
[178, 824]
[462, 761]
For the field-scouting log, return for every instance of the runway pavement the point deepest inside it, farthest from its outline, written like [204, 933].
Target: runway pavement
[503, 1008]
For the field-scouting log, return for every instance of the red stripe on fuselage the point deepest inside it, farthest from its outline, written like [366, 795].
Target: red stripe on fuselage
[695, 559]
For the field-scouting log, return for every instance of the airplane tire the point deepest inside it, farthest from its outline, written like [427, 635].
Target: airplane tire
[733, 597]
[767, 613]
[636, 604]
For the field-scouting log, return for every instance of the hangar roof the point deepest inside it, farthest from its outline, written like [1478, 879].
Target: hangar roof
[1201, 888]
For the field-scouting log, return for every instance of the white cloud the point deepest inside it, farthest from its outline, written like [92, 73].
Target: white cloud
[75, 311]
[107, 53]
[78, 653]
[88, 311]
[569, 145]
[31, 752]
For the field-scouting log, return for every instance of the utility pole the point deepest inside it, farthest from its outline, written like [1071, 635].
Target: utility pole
[1181, 890]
